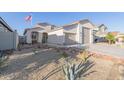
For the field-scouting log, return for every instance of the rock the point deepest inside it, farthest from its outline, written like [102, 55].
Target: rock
[121, 71]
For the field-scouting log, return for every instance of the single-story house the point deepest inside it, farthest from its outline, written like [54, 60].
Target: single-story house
[79, 32]
[8, 37]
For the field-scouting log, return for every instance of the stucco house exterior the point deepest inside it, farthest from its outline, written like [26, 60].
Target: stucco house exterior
[79, 32]
[38, 34]
[119, 37]
[8, 37]
[100, 33]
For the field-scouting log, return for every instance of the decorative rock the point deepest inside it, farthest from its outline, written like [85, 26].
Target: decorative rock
[121, 71]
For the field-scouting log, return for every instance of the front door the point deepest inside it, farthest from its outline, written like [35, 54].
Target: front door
[34, 37]
[44, 38]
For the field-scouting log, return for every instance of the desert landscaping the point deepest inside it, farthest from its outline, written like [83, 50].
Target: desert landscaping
[46, 63]
[75, 50]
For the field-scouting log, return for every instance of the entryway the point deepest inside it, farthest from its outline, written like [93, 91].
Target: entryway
[44, 37]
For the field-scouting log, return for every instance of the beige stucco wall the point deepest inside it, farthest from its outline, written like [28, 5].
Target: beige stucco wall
[79, 32]
[28, 35]
[77, 29]
[70, 38]
[56, 37]
[72, 29]
[40, 37]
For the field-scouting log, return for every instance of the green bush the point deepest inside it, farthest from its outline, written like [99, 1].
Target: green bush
[111, 38]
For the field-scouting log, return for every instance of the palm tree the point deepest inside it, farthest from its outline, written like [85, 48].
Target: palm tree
[111, 38]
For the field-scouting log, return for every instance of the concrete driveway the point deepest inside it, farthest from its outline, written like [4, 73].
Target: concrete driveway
[107, 50]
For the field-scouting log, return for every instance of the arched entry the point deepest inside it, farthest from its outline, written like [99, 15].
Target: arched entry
[34, 37]
[44, 37]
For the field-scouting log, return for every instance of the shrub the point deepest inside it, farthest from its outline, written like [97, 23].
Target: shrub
[35, 51]
[64, 54]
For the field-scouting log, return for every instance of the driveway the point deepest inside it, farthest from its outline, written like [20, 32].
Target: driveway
[108, 50]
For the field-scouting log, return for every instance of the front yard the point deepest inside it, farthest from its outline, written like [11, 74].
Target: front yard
[25, 65]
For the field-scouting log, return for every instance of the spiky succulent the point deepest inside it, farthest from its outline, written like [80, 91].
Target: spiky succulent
[73, 71]
[2, 59]
[35, 51]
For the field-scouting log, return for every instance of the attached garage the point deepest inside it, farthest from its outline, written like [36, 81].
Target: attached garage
[86, 35]
[70, 38]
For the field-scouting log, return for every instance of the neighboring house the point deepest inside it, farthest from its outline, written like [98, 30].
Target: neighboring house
[100, 33]
[118, 36]
[8, 37]
[38, 34]
[79, 32]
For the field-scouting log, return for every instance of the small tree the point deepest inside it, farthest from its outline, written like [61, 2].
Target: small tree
[111, 38]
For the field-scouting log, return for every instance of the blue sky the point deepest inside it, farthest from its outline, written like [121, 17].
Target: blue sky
[114, 21]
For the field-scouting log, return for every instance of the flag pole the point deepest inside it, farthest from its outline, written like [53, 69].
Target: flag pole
[31, 20]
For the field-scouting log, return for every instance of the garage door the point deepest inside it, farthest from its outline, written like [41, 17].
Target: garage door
[86, 35]
[70, 39]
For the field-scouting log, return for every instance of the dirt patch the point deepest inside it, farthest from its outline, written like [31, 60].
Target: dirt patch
[24, 65]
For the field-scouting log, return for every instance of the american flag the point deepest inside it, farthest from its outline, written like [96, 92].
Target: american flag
[28, 18]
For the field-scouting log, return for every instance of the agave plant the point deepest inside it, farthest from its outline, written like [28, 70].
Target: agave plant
[35, 51]
[2, 59]
[71, 70]
[74, 71]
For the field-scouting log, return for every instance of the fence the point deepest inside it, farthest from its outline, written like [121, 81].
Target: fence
[8, 40]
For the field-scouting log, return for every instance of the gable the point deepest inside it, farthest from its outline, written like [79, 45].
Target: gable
[71, 28]
[88, 25]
